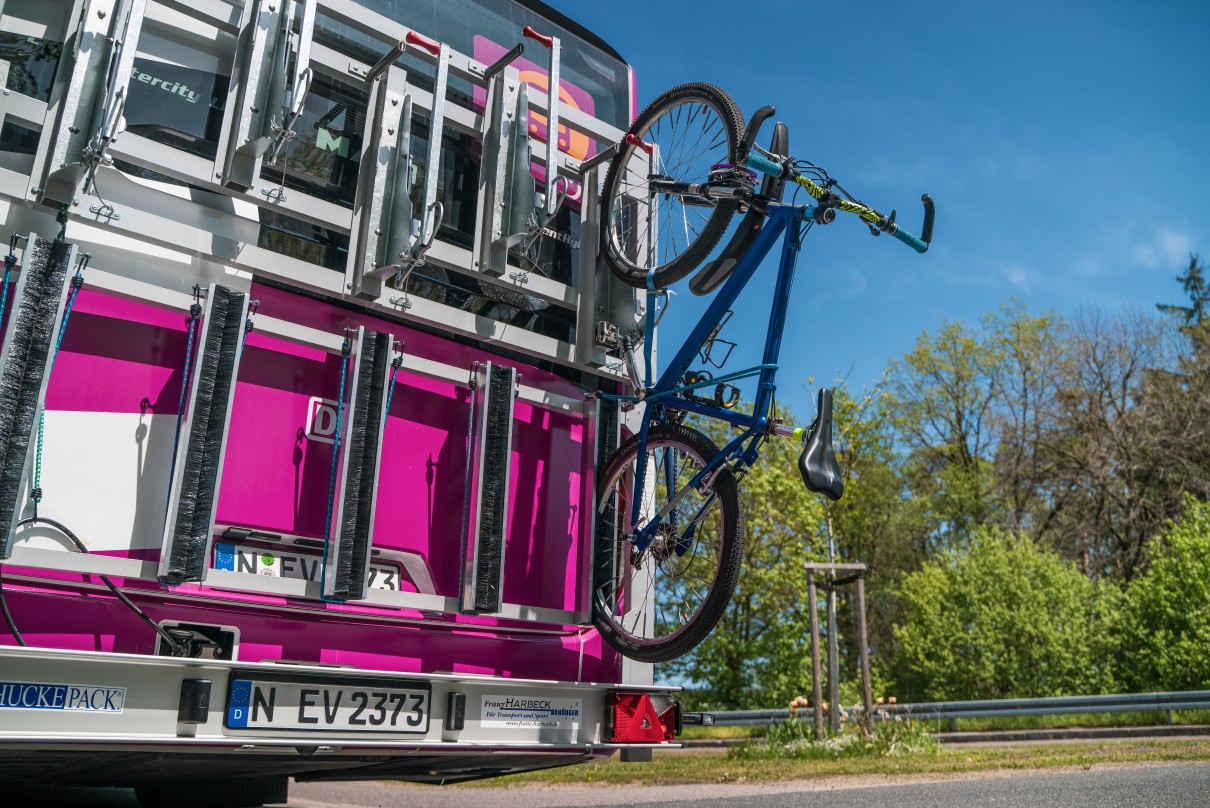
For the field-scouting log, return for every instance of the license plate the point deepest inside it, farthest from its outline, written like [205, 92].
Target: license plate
[259, 701]
[277, 563]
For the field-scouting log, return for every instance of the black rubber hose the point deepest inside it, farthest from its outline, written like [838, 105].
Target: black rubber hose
[8, 617]
[177, 648]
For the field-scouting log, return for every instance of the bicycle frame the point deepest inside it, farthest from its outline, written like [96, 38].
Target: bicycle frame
[782, 222]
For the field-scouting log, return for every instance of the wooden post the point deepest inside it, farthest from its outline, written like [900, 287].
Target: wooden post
[833, 659]
[864, 653]
[816, 683]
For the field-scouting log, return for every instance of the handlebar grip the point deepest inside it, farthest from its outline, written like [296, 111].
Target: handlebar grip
[419, 41]
[529, 32]
[764, 165]
[921, 244]
[907, 238]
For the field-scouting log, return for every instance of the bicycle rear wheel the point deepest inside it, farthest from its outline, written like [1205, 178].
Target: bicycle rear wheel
[693, 128]
[658, 604]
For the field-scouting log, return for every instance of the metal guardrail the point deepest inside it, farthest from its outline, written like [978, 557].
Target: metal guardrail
[993, 708]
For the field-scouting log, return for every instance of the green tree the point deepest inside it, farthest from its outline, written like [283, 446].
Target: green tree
[943, 394]
[1165, 626]
[1002, 618]
[1029, 350]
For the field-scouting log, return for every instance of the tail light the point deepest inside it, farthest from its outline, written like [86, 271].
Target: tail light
[641, 718]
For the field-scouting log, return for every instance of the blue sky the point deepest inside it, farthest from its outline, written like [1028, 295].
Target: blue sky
[1067, 146]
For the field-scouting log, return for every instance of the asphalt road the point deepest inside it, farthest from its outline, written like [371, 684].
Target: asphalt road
[1185, 785]
[1158, 786]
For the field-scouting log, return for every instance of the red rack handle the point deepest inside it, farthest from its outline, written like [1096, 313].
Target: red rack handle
[419, 41]
[633, 140]
[529, 31]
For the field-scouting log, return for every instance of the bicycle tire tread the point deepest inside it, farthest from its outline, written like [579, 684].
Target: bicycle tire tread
[696, 251]
[731, 554]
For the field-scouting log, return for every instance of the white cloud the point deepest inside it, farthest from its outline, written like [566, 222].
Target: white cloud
[1019, 276]
[1169, 248]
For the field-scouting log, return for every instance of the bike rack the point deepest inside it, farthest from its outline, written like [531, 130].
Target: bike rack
[550, 203]
[265, 48]
[293, 94]
[408, 237]
[261, 87]
[505, 168]
[91, 116]
[379, 241]
[425, 230]
[529, 213]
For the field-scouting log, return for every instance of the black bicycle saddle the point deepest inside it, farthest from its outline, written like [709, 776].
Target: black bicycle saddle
[817, 463]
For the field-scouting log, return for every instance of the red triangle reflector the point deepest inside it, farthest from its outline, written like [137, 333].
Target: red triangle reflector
[646, 728]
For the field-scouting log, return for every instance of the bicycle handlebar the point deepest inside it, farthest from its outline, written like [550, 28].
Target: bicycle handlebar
[920, 244]
[766, 165]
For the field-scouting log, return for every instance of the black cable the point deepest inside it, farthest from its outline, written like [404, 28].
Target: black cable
[177, 648]
[8, 617]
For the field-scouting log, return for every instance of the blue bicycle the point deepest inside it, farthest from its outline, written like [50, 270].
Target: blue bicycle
[670, 528]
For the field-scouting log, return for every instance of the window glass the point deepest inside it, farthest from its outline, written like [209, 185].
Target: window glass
[457, 185]
[590, 78]
[178, 87]
[32, 63]
[322, 158]
[19, 139]
[308, 242]
[31, 41]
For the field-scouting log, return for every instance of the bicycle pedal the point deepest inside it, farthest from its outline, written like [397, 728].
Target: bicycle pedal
[607, 335]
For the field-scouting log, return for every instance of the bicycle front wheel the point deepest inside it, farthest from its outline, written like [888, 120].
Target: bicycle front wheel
[692, 128]
[660, 602]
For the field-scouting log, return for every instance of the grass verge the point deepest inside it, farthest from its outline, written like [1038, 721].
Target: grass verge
[692, 767]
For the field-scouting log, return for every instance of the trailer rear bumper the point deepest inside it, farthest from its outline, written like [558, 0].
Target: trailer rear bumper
[124, 719]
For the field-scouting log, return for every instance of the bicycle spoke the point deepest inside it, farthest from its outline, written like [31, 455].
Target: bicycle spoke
[675, 582]
[690, 138]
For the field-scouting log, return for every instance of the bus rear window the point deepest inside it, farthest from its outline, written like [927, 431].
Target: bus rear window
[480, 28]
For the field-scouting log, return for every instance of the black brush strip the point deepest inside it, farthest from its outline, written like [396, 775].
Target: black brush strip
[606, 523]
[232, 329]
[493, 506]
[345, 586]
[376, 382]
[21, 389]
[216, 354]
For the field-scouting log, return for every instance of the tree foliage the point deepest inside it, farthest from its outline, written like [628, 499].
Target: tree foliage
[1006, 482]
[1001, 618]
[1165, 626]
